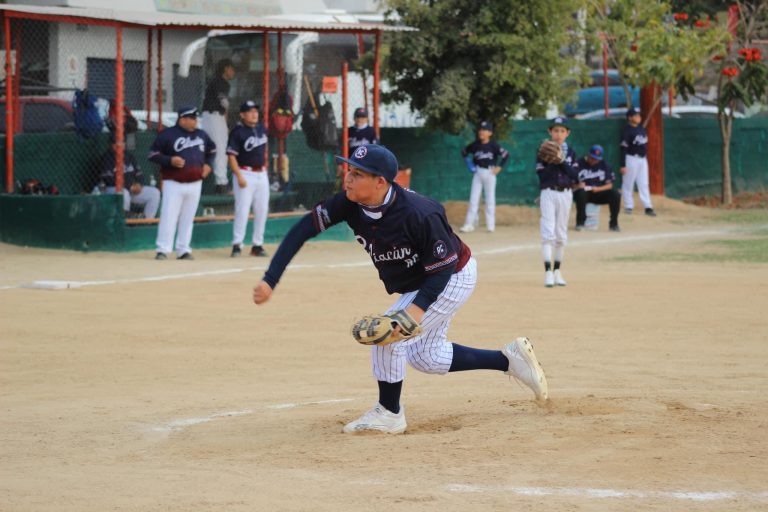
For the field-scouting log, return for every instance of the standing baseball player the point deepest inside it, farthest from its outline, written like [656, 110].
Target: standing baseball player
[556, 180]
[214, 120]
[595, 186]
[410, 243]
[184, 154]
[361, 133]
[634, 164]
[246, 150]
[485, 159]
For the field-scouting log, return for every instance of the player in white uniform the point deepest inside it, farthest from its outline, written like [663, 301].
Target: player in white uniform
[214, 119]
[246, 150]
[485, 159]
[556, 184]
[184, 154]
[634, 164]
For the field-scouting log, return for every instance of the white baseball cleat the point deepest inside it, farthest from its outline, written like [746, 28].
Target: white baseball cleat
[549, 279]
[378, 419]
[559, 281]
[466, 228]
[524, 366]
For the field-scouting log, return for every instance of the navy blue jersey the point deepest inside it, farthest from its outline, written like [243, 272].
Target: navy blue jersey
[360, 136]
[195, 147]
[131, 172]
[216, 97]
[486, 155]
[247, 145]
[594, 175]
[410, 242]
[558, 175]
[634, 142]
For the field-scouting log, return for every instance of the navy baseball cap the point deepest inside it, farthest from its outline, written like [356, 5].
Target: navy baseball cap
[361, 112]
[374, 159]
[596, 152]
[485, 125]
[188, 111]
[559, 121]
[633, 111]
[248, 105]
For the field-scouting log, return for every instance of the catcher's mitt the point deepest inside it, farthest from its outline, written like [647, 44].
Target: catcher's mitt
[550, 152]
[380, 329]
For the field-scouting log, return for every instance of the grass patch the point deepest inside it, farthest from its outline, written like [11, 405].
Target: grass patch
[757, 216]
[750, 250]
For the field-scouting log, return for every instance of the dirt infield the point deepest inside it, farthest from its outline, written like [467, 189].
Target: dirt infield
[159, 385]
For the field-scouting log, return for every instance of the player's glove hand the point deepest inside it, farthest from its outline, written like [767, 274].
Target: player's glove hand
[382, 329]
[550, 152]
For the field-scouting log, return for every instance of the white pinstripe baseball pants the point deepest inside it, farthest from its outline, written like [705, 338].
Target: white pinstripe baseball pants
[430, 352]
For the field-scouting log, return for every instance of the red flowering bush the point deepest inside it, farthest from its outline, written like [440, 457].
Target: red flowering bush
[751, 54]
[680, 16]
[730, 72]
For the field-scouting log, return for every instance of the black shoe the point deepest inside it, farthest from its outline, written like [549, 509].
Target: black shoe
[614, 227]
[579, 227]
[649, 212]
[627, 211]
[185, 256]
[161, 256]
[235, 251]
[258, 250]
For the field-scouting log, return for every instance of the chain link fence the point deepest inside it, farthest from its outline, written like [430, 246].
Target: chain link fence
[65, 85]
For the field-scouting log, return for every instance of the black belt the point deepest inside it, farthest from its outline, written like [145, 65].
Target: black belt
[558, 189]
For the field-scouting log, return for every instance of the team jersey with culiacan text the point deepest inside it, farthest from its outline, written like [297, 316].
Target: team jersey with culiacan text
[195, 147]
[634, 142]
[246, 144]
[594, 175]
[486, 155]
[561, 175]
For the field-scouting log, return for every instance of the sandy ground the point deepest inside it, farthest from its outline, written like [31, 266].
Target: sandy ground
[159, 386]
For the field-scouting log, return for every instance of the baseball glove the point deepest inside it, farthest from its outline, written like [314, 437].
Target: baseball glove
[380, 329]
[550, 152]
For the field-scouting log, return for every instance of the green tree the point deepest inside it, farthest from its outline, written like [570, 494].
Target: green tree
[742, 78]
[472, 61]
[647, 45]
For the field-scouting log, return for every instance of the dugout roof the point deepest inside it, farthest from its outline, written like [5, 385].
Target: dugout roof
[173, 20]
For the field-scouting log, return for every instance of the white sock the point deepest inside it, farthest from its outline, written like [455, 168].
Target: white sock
[559, 251]
[546, 252]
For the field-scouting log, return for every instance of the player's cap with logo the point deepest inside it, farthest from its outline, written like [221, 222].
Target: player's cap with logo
[374, 159]
[361, 112]
[633, 111]
[188, 111]
[559, 121]
[485, 125]
[596, 152]
[249, 105]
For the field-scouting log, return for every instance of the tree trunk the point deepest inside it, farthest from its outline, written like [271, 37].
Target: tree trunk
[726, 129]
[650, 106]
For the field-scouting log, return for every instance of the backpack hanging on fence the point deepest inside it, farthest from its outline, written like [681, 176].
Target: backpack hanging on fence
[319, 127]
[88, 121]
[281, 114]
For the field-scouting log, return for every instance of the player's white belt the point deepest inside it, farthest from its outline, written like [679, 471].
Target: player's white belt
[251, 169]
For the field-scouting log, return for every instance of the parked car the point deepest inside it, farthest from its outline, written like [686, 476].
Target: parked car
[678, 111]
[592, 97]
[40, 114]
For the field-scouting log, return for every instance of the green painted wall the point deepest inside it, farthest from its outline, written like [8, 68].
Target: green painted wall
[96, 223]
[691, 161]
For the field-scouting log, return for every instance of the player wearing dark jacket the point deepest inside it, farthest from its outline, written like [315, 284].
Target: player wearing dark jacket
[595, 186]
[417, 255]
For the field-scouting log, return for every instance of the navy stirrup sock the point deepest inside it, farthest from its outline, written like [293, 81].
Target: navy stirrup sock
[467, 358]
[389, 395]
